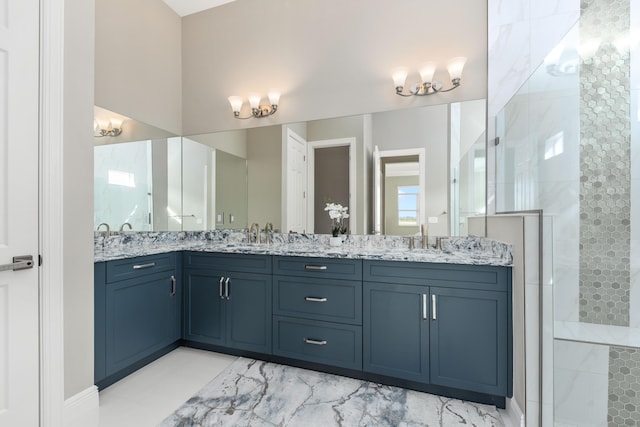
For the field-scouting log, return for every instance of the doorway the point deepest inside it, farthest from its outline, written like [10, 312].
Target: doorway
[332, 179]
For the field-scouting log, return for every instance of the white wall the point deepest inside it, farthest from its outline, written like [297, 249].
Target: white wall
[138, 63]
[328, 58]
[78, 196]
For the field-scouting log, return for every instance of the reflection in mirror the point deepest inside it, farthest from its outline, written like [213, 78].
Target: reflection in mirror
[285, 175]
[468, 167]
[399, 207]
[137, 185]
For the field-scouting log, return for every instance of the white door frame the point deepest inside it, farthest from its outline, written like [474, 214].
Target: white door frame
[51, 212]
[311, 149]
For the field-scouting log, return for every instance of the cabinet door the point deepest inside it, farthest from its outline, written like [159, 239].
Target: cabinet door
[469, 340]
[140, 316]
[396, 330]
[203, 306]
[249, 312]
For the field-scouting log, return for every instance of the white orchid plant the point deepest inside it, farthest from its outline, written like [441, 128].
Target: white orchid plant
[337, 214]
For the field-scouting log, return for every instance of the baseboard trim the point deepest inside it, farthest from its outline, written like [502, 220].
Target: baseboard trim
[514, 413]
[81, 405]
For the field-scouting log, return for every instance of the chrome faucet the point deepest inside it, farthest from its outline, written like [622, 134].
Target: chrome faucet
[257, 231]
[268, 232]
[425, 236]
[126, 223]
[108, 232]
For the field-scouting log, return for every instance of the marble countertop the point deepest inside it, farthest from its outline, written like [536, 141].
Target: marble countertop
[459, 250]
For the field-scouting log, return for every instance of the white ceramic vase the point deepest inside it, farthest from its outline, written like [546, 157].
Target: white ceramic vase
[335, 241]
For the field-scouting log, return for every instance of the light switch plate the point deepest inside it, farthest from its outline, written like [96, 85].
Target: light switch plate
[433, 220]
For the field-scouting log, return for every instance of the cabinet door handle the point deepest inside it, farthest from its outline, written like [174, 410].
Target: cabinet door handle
[315, 299]
[139, 266]
[315, 342]
[433, 307]
[424, 306]
[173, 286]
[315, 267]
[226, 288]
[220, 288]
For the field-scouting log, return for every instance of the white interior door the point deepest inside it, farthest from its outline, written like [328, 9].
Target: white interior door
[19, 360]
[296, 183]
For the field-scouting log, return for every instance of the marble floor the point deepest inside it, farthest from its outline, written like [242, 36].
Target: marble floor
[263, 394]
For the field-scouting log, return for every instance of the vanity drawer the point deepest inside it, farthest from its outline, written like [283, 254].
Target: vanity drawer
[131, 268]
[317, 298]
[431, 274]
[332, 344]
[331, 268]
[246, 263]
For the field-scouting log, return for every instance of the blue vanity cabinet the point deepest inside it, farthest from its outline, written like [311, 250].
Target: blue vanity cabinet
[137, 313]
[396, 330]
[317, 306]
[443, 324]
[469, 339]
[228, 300]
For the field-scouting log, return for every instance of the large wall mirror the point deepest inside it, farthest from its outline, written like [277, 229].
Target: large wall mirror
[430, 169]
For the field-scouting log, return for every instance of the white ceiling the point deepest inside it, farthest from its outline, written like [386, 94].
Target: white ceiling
[187, 7]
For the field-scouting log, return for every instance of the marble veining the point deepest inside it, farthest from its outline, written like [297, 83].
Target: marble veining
[257, 393]
[455, 250]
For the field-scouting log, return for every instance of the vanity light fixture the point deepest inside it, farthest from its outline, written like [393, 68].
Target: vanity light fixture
[113, 127]
[426, 85]
[257, 110]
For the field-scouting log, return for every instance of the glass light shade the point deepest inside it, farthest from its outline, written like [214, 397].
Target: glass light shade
[274, 97]
[102, 124]
[399, 77]
[455, 67]
[236, 103]
[426, 72]
[254, 100]
[116, 123]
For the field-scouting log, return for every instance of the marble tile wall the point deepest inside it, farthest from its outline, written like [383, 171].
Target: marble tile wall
[604, 166]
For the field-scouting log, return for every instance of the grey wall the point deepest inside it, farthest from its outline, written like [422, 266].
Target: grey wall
[138, 64]
[264, 162]
[329, 59]
[77, 196]
[231, 199]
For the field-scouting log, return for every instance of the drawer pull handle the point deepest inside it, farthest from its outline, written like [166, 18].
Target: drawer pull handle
[315, 267]
[315, 299]
[173, 286]
[139, 266]
[220, 288]
[226, 288]
[315, 342]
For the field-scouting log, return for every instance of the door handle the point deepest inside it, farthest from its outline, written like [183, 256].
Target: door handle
[424, 306]
[173, 286]
[220, 288]
[19, 263]
[226, 288]
[433, 307]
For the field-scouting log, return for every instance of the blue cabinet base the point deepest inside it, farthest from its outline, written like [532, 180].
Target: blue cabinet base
[487, 399]
[106, 382]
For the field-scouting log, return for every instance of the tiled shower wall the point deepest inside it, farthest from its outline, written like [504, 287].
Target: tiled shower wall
[589, 186]
[605, 180]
